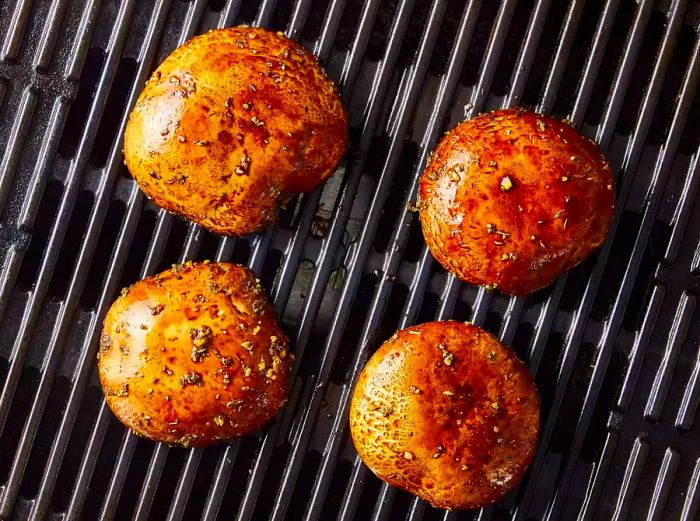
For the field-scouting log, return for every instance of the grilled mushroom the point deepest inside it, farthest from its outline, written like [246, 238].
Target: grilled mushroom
[444, 411]
[232, 124]
[194, 355]
[512, 199]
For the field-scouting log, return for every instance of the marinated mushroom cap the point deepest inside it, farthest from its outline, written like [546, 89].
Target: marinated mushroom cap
[512, 199]
[446, 412]
[232, 124]
[194, 355]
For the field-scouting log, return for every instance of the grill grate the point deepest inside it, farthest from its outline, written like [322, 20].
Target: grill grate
[613, 345]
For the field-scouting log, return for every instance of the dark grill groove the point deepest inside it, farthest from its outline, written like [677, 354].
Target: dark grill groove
[613, 344]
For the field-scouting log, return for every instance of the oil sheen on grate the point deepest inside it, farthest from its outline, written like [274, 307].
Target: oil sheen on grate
[613, 345]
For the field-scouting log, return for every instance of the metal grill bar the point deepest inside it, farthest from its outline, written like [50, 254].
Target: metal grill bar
[691, 505]
[600, 41]
[256, 261]
[39, 74]
[23, 117]
[58, 232]
[679, 329]
[310, 411]
[664, 481]
[56, 455]
[279, 299]
[623, 75]
[556, 73]
[49, 34]
[385, 498]
[575, 332]
[680, 219]
[16, 30]
[82, 40]
[360, 253]
[639, 455]
[31, 202]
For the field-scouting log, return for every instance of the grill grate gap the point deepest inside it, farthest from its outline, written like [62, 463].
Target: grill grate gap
[348, 25]
[546, 376]
[134, 479]
[419, 17]
[47, 429]
[241, 252]
[176, 238]
[492, 322]
[273, 260]
[239, 474]
[428, 308]
[367, 499]
[271, 481]
[29, 380]
[167, 484]
[68, 473]
[283, 11]
[479, 42]
[71, 245]
[446, 38]
[544, 54]
[396, 200]
[414, 245]
[205, 475]
[665, 108]
[641, 74]
[576, 285]
[139, 247]
[48, 208]
[336, 490]
[392, 313]
[690, 138]
[463, 311]
[598, 429]
[313, 25]
[573, 399]
[249, 10]
[78, 112]
[522, 338]
[511, 47]
[208, 247]
[619, 39]
[116, 101]
[577, 58]
[103, 469]
[644, 285]
[216, 5]
[102, 255]
[380, 31]
[302, 490]
[353, 329]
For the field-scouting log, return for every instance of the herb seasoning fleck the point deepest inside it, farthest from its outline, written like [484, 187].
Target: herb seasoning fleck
[191, 378]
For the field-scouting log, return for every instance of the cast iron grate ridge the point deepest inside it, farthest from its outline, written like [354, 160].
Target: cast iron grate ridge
[612, 345]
